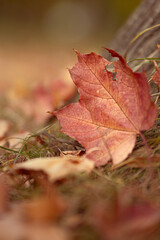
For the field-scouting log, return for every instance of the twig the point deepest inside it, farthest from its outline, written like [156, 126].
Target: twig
[155, 94]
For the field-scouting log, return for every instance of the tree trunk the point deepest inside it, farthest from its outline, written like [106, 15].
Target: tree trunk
[145, 16]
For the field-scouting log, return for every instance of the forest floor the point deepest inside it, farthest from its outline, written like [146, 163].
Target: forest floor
[118, 202]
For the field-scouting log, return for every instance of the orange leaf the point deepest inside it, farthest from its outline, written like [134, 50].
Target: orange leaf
[156, 77]
[110, 113]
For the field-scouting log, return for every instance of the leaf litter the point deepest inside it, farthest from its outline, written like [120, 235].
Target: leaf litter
[64, 202]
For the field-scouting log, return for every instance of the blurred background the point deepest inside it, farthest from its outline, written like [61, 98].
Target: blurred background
[36, 48]
[37, 37]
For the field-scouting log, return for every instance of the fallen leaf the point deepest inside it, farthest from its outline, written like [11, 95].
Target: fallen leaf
[61, 92]
[14, 227]
[4, 193]
[41, 98]
[156, 76]
[45, 209]
[126, 216]
[110, 112]
[35, 219]
[57, 168]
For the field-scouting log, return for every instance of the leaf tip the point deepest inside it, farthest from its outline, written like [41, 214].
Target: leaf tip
[53, 113]
[76, 51]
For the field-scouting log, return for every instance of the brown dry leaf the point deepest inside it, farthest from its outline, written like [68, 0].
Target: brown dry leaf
[14, 227]
[126, 216]
[36, 219]
[44, 209]
[4, 193]
[57, 168]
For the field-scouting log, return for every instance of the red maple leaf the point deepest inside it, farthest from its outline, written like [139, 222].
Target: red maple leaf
[110, 113]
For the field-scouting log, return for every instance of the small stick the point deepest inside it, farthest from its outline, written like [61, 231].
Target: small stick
[155, 94]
